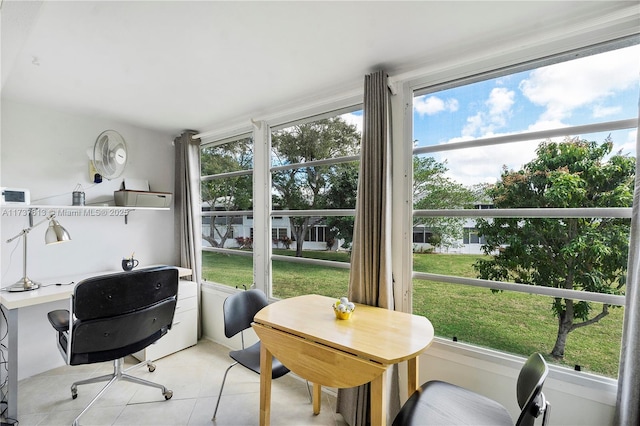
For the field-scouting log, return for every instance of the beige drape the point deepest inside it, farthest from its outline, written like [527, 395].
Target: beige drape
[188, 225]
[370, 280]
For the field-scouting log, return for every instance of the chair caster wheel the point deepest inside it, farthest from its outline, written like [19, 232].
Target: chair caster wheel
[168, 394]
[152, 368]
[74, 396]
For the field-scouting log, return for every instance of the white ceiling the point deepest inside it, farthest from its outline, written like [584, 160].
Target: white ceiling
[172, 65]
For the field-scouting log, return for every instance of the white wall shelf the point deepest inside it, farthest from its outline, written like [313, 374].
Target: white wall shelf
[89, 207]
[37, 210]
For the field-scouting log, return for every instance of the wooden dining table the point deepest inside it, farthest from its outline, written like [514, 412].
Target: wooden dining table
[305, 335]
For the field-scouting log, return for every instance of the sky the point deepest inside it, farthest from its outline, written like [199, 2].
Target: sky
[593, 89]
[598, 88]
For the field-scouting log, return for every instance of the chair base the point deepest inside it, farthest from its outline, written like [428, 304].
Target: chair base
[119, 373]
[224, 379]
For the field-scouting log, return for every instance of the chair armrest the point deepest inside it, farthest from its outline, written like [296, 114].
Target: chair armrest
[59, 319]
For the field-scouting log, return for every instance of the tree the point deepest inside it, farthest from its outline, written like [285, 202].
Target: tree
[342, 194]
[587, 254]
[228, 193]
[432, 189]
[306, 188]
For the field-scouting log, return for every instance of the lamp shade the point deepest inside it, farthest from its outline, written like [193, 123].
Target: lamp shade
[56, 233]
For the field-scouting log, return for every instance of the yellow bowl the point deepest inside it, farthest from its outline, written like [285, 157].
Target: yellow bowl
[342, 315]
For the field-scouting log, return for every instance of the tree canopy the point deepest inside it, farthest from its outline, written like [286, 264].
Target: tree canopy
[342, 194]
[587, 254]
[229, 193]
[432, 189]
[308, 188]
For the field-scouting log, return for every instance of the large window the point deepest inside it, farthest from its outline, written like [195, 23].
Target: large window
[314, 177]
[227, 211]
[525, 180]
[521, 198]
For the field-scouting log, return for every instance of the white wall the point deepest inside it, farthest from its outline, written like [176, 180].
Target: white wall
[576, 398]
[44, 150]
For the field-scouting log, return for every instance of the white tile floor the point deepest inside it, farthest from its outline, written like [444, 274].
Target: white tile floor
[194, 375]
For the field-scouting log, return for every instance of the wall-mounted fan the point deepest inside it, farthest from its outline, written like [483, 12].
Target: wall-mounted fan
[109, 156]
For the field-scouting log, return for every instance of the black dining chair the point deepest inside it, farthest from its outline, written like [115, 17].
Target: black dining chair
[113, 316]
[238, 312]
[441, 403]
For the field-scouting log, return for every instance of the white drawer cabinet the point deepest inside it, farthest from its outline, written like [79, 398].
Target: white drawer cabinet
[184, 330]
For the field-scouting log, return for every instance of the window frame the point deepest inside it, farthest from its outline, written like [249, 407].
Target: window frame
[315, 212]
[404, 87]
[417, 88]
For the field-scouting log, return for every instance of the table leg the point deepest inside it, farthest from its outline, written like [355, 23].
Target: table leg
[317, 398]
[12, 363]
[412, 375]
[265, 385]
[378, 402]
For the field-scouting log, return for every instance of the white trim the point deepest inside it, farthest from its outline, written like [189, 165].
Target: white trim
[233, 136]
[402, 183]
[610, 299]
[224, 134]
[593, 386]
[323, 162]
[262, 203]
[561, 213]
[290, 113]
[231, 252]
[326, 212]
[310, 261]
[237, 173]
[534, 137]
[603, 29]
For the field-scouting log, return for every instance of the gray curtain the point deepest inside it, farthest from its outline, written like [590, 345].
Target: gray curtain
[370, 281]
[628, 398]
[188, 225]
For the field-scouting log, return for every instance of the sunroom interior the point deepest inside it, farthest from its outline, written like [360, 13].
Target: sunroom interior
[236, 79]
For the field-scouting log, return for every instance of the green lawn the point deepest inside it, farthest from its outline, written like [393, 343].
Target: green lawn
[512, 322]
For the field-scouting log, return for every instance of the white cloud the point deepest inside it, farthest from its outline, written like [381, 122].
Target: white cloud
[600, 111]
[354, 119]
[628, 146]
[474, 123]
[559, 89]
[484, 164]
[562, 88]
[486, 122]
[545, 125]
[431, 105]
[500, 101]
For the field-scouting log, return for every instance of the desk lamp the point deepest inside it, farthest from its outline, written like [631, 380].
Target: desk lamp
[55, 234]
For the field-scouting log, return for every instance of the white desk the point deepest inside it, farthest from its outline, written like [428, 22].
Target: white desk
[49, 292]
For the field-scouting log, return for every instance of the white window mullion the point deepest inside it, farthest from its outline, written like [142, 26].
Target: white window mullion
[402, 208]
[533, 137]
[262, 206]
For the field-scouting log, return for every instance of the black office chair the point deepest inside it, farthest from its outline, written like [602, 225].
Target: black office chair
[440, 403]
[113, 316]
[239, 310]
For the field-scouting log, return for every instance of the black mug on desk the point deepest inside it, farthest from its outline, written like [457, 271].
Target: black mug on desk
[129, 264]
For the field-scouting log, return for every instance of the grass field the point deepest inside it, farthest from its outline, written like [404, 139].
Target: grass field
[511, 322]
